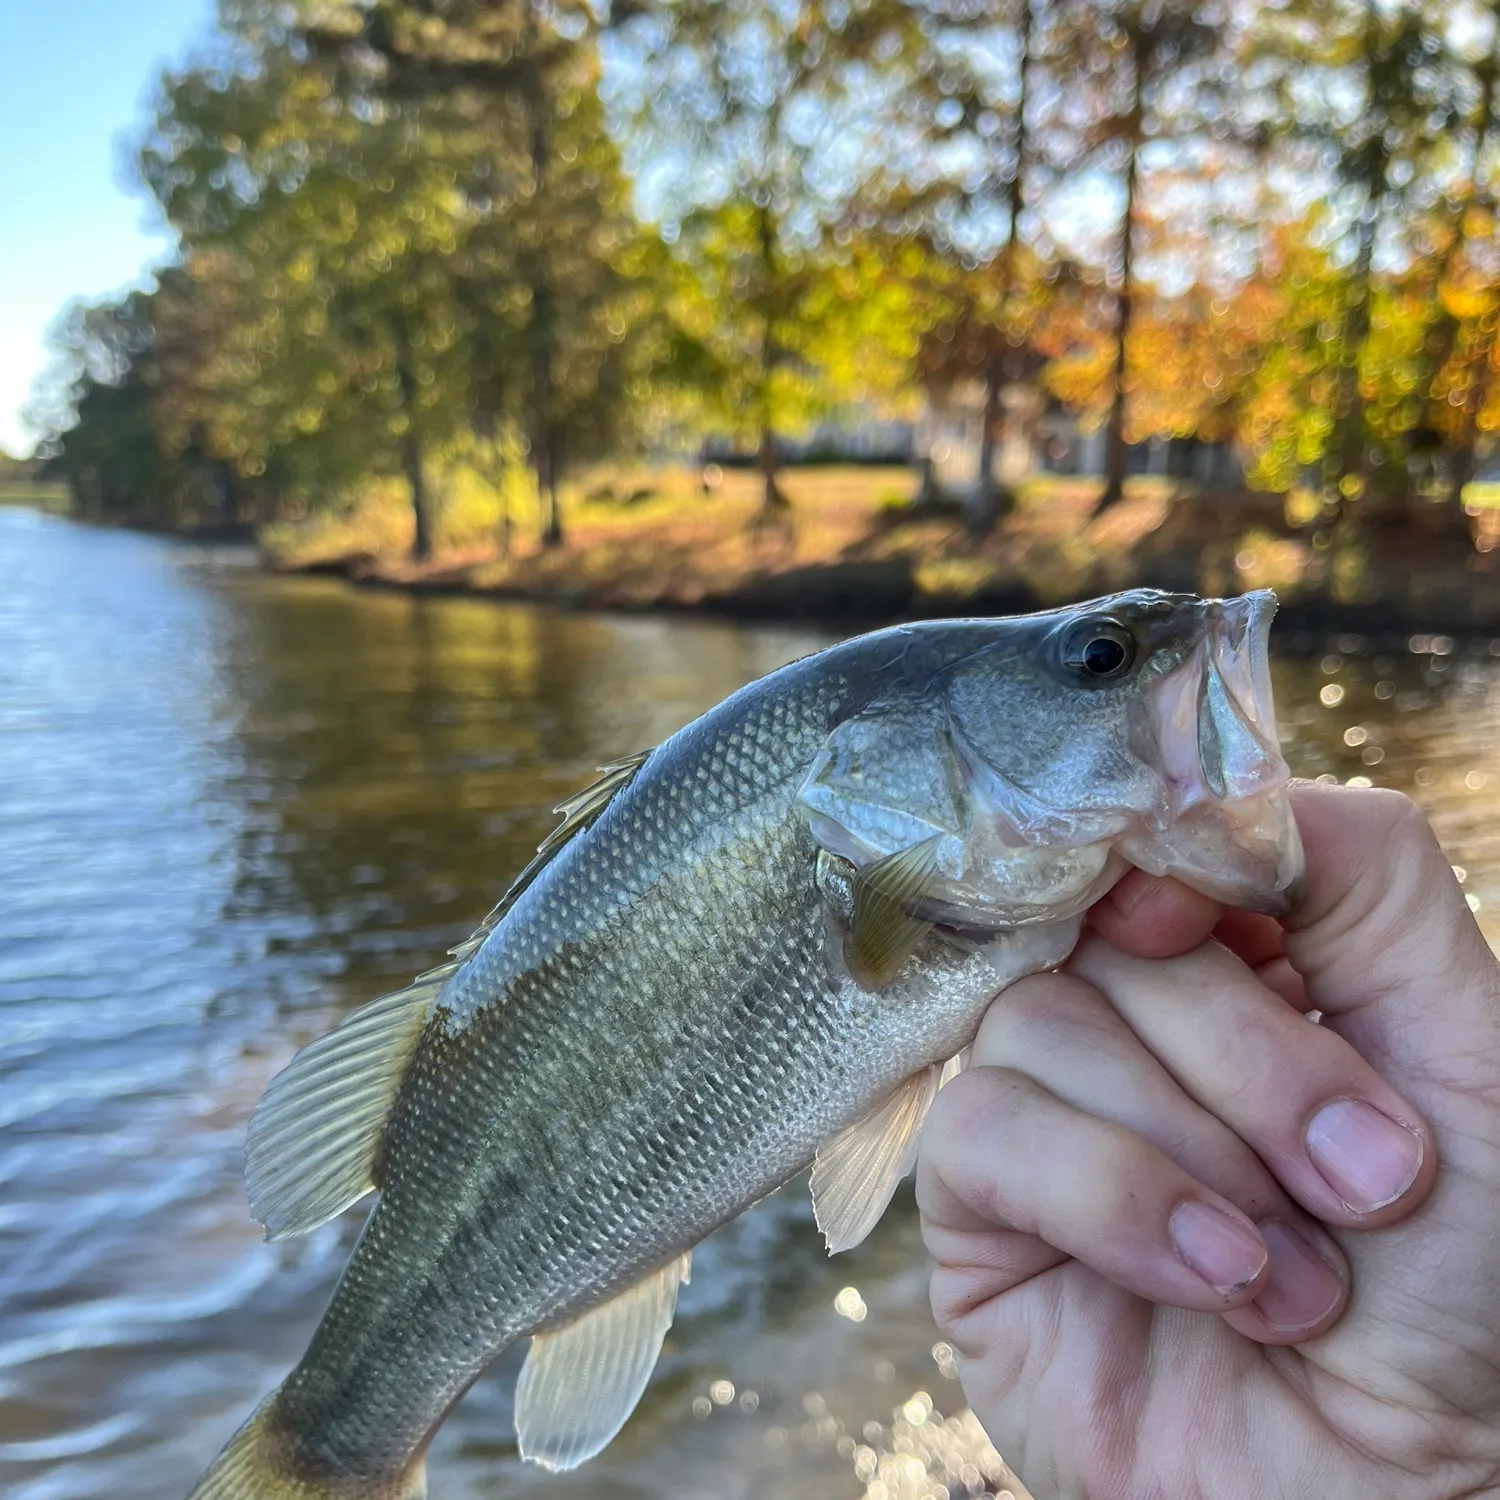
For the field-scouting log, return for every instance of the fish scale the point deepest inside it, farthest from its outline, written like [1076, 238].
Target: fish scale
[659, 1027]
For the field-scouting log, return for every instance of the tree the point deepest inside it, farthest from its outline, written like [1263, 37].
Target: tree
[1154, 72]
[751, 127]
[550, 268]
[335, 214]
[1463, 293]
[956, 183]
[124, 411]
[1364, 85]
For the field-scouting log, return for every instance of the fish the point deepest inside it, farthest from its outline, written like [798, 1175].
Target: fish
[759, 947]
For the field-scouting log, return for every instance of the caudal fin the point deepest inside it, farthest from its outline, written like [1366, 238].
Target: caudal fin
[255, 1466]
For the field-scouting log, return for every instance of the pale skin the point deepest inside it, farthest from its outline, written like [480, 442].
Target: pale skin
[1192, 1243]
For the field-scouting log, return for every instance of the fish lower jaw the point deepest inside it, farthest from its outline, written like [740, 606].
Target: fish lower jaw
[995, 913]
[1245, 853]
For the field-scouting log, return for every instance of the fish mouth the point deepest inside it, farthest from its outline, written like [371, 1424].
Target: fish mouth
[1228, 830]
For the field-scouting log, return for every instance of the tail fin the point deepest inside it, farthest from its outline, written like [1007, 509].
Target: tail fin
[253, 1466]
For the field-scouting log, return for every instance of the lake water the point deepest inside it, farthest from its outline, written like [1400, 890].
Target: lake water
[232, 807]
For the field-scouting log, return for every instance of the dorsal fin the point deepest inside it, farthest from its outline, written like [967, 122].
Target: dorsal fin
[314, 1139]
[579, 812]
[315, 1134]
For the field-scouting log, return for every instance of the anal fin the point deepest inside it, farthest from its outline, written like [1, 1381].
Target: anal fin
[580, 1384]
[857, 1170]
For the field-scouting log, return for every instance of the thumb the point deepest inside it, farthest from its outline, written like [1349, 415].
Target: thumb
[1393, 958]
[1388, 947]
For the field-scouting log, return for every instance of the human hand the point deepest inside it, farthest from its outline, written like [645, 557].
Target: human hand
[1163, 1104]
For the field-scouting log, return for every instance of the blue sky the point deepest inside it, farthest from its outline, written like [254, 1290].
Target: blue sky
[74, 79]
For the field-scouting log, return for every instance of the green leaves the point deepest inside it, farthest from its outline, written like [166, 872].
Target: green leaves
[416, 238]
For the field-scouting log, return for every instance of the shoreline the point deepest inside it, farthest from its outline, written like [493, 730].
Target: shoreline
[862, 596]
[1416, 588]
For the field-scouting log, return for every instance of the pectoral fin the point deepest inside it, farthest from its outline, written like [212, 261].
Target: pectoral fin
[857, 1170]
[580, 1384]
[883, 933]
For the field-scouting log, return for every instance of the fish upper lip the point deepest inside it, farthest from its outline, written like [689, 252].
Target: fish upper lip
[1240, 643]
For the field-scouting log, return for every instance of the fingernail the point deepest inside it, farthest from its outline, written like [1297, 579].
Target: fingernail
[1365, 1157]
[1225, 1252]
[1303, 1288]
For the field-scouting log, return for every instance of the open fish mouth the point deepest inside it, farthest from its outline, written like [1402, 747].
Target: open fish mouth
[1228, 829]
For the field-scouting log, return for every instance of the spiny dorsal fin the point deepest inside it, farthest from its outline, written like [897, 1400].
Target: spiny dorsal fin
[579, 812]
[857, 1170]
[580, 1384]
[315, 1137]
[883, 933]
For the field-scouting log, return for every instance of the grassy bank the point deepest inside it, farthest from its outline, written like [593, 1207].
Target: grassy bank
[853, 548]
[38, 496]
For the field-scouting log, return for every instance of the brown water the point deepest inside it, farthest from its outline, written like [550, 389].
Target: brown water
[233, 807]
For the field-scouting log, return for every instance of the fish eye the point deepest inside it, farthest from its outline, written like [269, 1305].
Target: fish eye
[1099, 650]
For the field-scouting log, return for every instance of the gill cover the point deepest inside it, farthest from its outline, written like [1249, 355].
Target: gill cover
[903, 774]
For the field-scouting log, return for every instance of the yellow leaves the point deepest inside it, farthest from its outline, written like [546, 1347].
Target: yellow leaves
[303, 266]
[1467, 301]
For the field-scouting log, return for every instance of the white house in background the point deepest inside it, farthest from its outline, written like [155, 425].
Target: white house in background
[1040, 436]
[1037, 436]
[852, 435]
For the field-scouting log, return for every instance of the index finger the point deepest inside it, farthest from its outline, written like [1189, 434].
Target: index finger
[1151, 916]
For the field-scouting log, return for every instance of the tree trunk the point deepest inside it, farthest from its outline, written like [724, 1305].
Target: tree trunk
[221, 479]
[927, 485]
[1346, 455]
[411, 449]
[1346, 451]
[546, 479]
[1480, 360]
[982, 508]
[986, 508]
[543, 330]
[411, 463]
[774, 504]
[1115, 451]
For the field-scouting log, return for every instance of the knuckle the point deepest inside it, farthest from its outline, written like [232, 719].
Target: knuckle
[976, 1103]
[1036, 1013]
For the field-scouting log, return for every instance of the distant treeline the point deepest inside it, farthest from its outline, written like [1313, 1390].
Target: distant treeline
[516, 236]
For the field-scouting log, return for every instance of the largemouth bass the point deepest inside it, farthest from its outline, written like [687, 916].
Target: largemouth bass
[753, 949]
